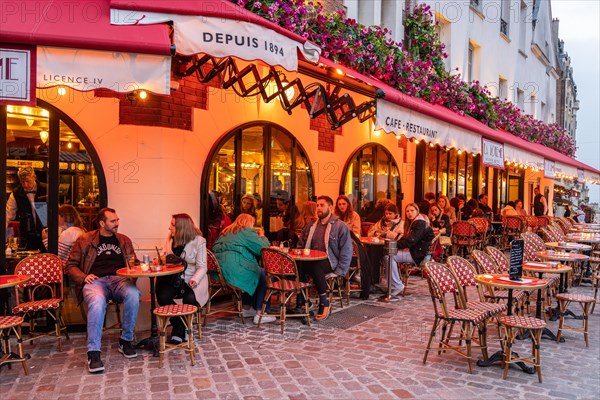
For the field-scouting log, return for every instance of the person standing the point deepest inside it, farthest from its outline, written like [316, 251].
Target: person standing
[331, 235]
[93, 264]
[540, 207]
[185, 241]
[21, 207]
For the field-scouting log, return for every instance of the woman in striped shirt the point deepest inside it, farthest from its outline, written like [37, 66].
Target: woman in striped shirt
[70, 227]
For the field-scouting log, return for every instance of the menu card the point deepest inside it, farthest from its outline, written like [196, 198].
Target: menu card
[516, 260]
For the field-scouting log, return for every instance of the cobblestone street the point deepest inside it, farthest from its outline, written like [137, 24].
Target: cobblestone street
[380, 357]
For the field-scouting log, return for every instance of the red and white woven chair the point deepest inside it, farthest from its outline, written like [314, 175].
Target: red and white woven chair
[283, 279]
[8, 324]
[218, 286]
[442, 283]
[46, 272]
[464, 237]
[512, 324]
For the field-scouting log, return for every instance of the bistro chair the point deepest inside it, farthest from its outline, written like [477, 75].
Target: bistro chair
[543, 221]
[218, 286]
[512, 325]
[482, 225]
[464, 274]
[283, 279]
[558, 233]
[464, 237]
[12, 324]
[353, 272]
[585, 302]
[563, 224]
[548, 235]
[43, 293]
[185, 312]
[442, 283]
[512, 228]
[595, 264]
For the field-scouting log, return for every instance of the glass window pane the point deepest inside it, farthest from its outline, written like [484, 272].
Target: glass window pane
[252, 172]
[383, 173]
[443, 175]
[452, 182]
[366, 169]
[470, 160]
[27, 147]
[431, 168]
[222, 176]
[461, 177]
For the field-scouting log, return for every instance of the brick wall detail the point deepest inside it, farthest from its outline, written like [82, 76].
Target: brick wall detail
[326, 134]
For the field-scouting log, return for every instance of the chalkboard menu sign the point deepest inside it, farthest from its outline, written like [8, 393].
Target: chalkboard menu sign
[516, 260]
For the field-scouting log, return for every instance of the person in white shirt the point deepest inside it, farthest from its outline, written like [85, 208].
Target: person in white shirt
[70, 228]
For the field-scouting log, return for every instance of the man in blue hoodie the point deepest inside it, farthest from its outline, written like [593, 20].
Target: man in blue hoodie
[332, 236]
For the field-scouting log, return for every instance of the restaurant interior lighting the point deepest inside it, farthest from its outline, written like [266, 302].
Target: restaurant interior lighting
[62, 91]
[44, 136]
[143, 94]
[69, 145]
[339, 71]
[398, 137]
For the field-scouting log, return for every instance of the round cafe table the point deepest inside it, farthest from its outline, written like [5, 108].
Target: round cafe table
[561, 256]
[568, 246]
[502, 281]
[372, 241]
[314, 255]
[584, 238]
[152, 342]
[540, 269]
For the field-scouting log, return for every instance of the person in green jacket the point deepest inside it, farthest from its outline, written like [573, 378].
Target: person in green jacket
[237, 251]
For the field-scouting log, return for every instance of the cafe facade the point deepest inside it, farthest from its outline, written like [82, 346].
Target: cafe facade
[161, 109]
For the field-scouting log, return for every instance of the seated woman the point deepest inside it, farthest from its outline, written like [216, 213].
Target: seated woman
[519, 208]
[346, 213]
[217, 219]
[413, 246]
[237, 251]
[292, 221]
[390, 226]
[70, 227]
[509, 210]
[184, 240]
[438, 220]
[307, 214]
[247, 205]
[447, 209]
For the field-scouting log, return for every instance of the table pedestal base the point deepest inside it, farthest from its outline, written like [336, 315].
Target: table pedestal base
[499, 356]
[555, 314]
[546, 334]
[151, 343]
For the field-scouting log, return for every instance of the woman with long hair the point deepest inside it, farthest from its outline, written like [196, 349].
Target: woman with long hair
[237, 250]
[184, 240]
[247, 205]
[390, 226]
[519, 207]
[413, 246]
[307, 214]
[439, 220]
[345, 211]
[447, 208]
[70, 227]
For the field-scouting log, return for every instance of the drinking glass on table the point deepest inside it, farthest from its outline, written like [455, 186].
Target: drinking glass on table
[13, 243]
[131, 262]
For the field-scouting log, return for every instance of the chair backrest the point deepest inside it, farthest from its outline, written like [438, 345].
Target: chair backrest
[548, 235]
[464, 230]
[542, 221]
[536, 241]
[365, 227]
[464, 273]
[529, 249]
[277, 263]
[481, 224]
[441, 283]
[356, 254]
[532, 222]
[513, 224]
[563, 225]
[557, 231]
[45, 270]
[485, 263]
[499, 258]
[215, 275]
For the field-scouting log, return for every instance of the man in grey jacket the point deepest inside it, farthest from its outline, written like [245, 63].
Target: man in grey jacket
[332, 236]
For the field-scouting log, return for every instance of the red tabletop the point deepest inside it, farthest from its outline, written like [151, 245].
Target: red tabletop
[546, 267]
[560, 256]
[7, 281]
[314, 255]
[502, 281]
[372, 241]
[137, 272]
[568, 246]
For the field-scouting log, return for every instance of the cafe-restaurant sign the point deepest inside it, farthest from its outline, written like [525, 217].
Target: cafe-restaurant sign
[17, 75]
[549, 168]
[580, 175]
[492, 153]
[393, 118]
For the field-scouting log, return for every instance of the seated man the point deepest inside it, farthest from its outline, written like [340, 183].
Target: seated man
[93, 263]
[331, 235]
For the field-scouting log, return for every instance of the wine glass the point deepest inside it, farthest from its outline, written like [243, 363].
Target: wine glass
[13, 243]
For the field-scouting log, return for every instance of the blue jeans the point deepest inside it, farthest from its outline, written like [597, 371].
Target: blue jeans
[97, 294]
[257, 299]
[403, 256]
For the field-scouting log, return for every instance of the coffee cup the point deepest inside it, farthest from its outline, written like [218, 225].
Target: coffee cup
[297, 251]
[306, 252]
[144, 267]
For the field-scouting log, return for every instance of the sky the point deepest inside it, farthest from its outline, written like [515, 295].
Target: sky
[579, 28]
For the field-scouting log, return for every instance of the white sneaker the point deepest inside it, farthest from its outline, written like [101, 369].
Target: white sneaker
[265, 319]
[396, 291]
[248, 312]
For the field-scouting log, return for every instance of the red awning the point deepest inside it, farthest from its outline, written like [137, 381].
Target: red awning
[82, 25]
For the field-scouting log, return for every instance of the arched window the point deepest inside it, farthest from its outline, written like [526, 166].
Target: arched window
[259, 159]
[371, 174]
[67, 170]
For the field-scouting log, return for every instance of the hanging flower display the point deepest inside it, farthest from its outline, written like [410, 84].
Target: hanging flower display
[416, 69]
